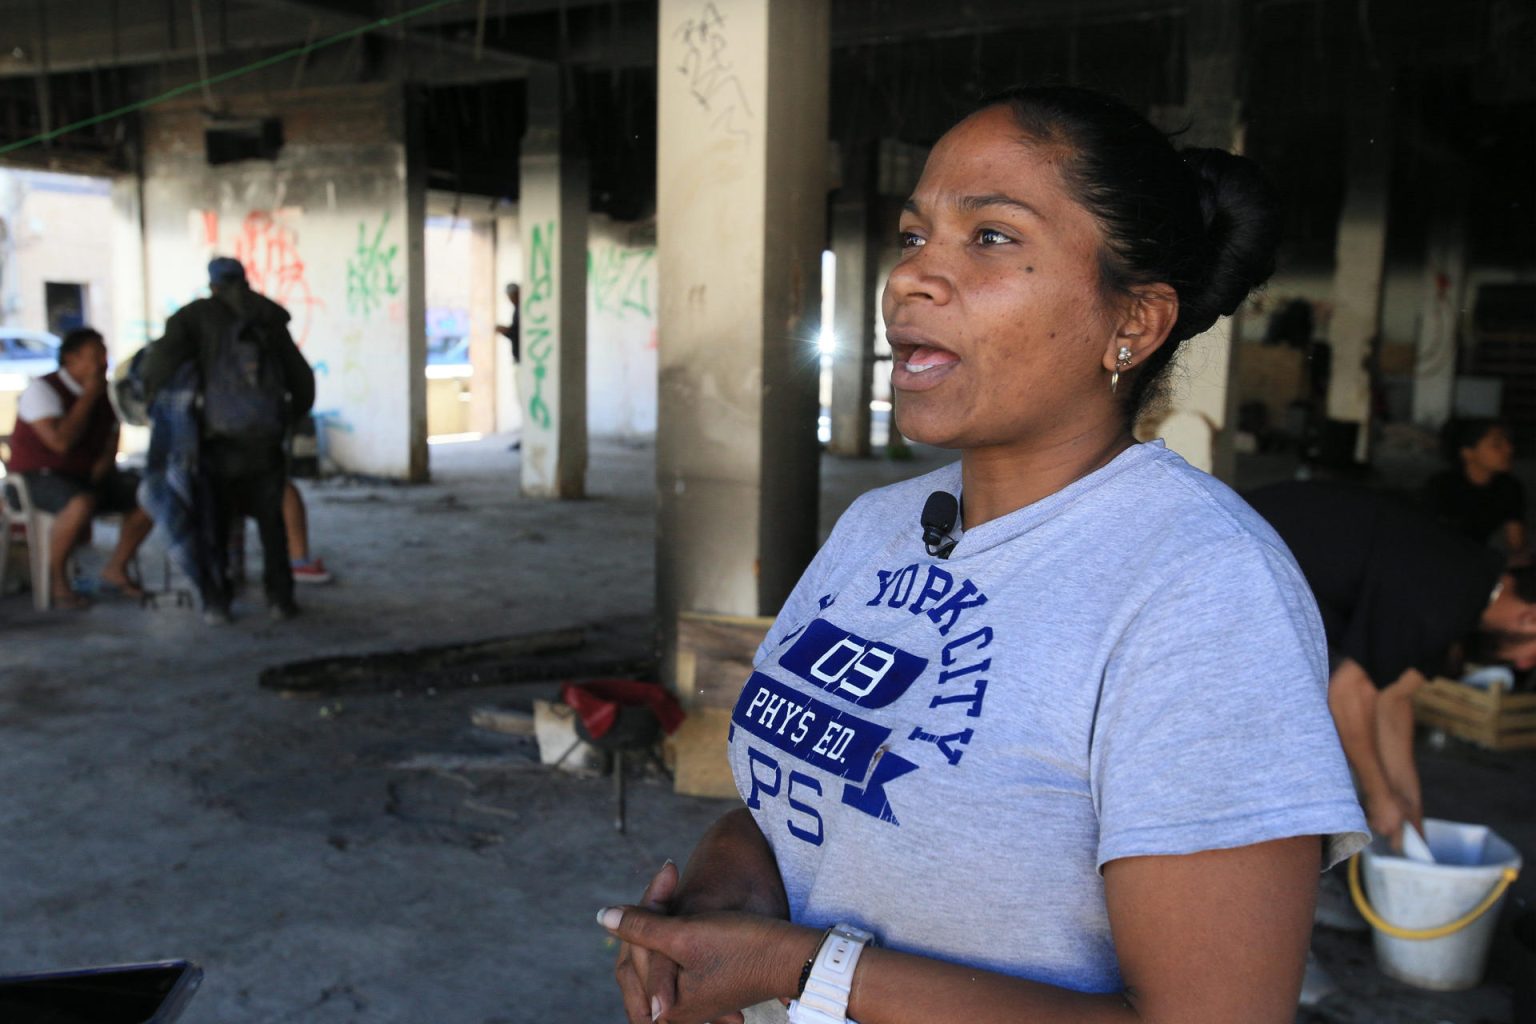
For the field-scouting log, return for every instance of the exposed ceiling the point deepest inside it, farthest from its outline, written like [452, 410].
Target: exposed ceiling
[1460, 71]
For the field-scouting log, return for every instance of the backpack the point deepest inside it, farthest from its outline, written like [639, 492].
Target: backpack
[244, 394]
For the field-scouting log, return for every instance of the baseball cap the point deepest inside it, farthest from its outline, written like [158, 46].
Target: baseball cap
[224, 270]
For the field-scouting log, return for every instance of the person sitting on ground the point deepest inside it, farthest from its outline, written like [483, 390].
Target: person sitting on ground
[64, 445]
[1397, 593]
[1477, 497]
[1072, 761]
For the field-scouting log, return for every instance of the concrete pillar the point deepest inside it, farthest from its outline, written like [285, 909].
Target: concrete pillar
[129, 329]
[483, 339]
[1201, 417]
[420, 469]
[552, 373]
[856, 231]
[1440, 307]
[741, 201]
[1359, 260]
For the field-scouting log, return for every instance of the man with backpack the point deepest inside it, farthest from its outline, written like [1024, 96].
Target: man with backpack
[255, 384]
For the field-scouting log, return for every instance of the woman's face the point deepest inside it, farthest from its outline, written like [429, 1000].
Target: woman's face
[997, 329]
[1493, 453]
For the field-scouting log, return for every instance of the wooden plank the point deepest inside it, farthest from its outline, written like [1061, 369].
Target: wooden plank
[698, 753]
[511, 721]
[714, 657]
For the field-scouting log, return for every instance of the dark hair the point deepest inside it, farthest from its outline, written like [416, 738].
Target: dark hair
[1485, 646]
[1202, 221]
[77, 339]
[1466, 433]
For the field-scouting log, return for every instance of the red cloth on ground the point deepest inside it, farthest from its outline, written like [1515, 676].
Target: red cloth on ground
[597, 703]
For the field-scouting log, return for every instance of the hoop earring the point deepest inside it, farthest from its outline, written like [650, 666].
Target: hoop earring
[1122, 362]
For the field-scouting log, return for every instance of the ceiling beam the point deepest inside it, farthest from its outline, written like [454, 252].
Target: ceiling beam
[85, 37]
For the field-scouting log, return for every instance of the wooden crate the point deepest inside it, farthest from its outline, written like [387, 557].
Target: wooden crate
[1490, 718]
[714, 659]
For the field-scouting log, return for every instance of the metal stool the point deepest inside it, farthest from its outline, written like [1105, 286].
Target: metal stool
[632, 726]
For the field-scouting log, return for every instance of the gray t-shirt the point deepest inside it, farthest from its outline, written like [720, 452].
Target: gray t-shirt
[947, 752]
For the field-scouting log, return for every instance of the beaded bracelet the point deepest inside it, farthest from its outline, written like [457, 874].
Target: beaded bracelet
[805, 972]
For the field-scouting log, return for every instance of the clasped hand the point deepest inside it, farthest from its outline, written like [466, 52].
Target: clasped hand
[697, 968]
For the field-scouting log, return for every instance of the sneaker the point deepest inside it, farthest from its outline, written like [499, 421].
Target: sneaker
[311, 570]
[217, 616]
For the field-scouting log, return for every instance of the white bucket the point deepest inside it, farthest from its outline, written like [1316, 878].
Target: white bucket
[1470, 861]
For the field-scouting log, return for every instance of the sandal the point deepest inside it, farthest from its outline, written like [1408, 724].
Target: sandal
[69, 600]
[125, 588]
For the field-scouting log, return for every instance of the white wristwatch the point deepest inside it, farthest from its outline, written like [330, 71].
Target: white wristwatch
[824, 998]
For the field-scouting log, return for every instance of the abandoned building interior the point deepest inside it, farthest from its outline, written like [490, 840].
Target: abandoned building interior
[697, 203]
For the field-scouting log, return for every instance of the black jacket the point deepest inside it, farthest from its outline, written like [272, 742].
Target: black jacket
[192, 327]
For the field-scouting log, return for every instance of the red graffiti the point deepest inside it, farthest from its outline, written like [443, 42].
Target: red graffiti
[269, 251]
[211, 228]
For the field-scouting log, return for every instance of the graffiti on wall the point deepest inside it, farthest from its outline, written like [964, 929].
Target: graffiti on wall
[711, 78]
[268, 247]
[623, 281]
[538, 340]
[371, 271]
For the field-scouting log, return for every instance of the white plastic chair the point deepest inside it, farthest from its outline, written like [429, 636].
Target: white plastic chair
[39, 526]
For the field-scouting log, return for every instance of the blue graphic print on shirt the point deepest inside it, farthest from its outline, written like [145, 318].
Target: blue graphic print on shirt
[871, 675]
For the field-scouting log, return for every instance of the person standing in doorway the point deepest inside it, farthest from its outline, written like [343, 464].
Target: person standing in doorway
[510, 332]
[255, 385]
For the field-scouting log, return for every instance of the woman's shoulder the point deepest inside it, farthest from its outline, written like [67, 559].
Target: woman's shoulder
[1193, 506]
[1188, 531]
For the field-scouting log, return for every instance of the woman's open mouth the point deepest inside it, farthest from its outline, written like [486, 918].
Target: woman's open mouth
[918, 367]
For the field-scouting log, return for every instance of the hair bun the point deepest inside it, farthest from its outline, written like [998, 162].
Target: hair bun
[1241, 212]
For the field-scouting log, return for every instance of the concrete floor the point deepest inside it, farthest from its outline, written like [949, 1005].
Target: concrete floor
[154, 802]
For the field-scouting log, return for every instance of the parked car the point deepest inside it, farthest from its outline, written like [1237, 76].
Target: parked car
[25, 354]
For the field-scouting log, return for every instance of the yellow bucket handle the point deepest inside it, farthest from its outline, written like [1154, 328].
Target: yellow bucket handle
[1369, 913]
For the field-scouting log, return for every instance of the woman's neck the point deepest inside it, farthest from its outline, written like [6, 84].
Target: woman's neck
[1478, 476]
[1001, 479]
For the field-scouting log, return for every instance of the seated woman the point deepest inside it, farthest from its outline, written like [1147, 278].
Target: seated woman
[1477, 497]
[1073, 762]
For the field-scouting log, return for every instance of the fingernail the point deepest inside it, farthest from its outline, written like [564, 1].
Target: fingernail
[655, 1007]
[609, 917]
[669, 861]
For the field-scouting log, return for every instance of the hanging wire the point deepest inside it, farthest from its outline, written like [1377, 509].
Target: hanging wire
[266, 62]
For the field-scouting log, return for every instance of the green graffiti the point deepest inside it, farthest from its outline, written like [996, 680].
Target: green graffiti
[538, 340]
[622, 281]
[371, 271]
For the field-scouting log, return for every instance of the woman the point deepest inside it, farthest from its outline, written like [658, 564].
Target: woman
[1478, 498]
[1078, 769]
